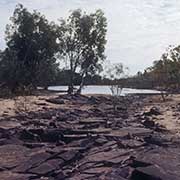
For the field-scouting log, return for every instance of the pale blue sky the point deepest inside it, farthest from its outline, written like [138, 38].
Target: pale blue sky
[138, 30]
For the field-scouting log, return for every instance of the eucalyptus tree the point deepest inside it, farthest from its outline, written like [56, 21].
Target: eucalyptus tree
[82, 40]
[31, 47]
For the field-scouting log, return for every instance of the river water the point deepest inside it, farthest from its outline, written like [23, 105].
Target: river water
[105, 90]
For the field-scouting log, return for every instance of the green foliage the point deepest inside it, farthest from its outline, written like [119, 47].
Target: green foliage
[31, 46]
[163, 75]
[82, 40]
[166, 71]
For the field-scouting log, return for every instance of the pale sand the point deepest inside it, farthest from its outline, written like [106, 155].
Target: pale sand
[9, 107]
[170, 110]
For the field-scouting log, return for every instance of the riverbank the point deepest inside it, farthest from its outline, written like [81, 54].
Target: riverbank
[81, 137]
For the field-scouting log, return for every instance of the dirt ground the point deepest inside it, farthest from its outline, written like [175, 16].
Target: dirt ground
[9, 107]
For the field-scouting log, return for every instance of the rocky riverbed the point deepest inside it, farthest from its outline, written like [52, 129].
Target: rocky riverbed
[81, 137]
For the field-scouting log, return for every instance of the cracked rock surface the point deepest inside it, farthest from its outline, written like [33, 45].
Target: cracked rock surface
[83, 138]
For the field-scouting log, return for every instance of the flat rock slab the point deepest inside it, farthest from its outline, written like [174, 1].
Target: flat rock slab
[118, 174]
[69, 155]
[7, 175]
[131, 143]
[113, 156]
[7, 124]
[100, 130]
[97, 170]
[166, 159]
[123, 132]
[151, 173]
[73, 137]
[45, 168]
[81, 176]
[91, 121]
[12, 155]
[34, 160]
[138, 131]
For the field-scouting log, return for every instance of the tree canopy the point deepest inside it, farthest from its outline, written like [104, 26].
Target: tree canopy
[82, 40]
[31, 48]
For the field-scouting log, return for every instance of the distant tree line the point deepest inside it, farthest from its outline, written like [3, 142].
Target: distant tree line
[41, 53]
[164, 74]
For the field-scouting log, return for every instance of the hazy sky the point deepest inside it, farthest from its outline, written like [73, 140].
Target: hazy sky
[138, 30]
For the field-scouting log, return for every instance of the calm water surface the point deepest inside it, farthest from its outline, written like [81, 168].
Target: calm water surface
[105, 90]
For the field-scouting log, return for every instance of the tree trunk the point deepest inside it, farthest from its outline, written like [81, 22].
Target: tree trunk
[45, 87]
[70, 89]
[71, 85]
[81, 85]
